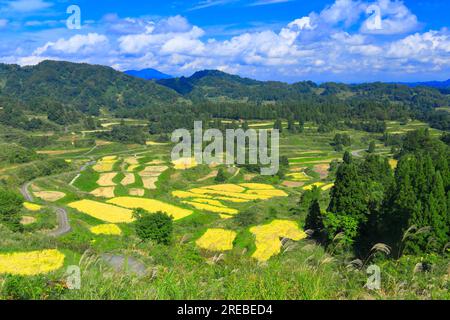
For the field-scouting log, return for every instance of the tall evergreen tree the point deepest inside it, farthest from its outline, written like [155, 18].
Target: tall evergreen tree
[347, 195]
[372, 147]
[348, 157]
[278, 125]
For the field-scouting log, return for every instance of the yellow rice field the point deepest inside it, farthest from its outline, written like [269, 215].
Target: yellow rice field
[132, 167]
[151, 206]
[209, 198]
[271, 193]
[212, 208]
[131, 160]
[298, 176]
[26, 220]
[105, 164]
[257, 186]
[245, 196]
[184, 163]
[187, 194]
[104, 192]
[106, 179]
[103, 211]
[128, 179]
[393, 163]
[31, 263]
[153, 143]
[50, 196]
[311, 186]
[327, 186]
[106, 229]
[149, 182]
[228, 199]
[209, 201]
[32, 206]
[217, 240]
[109, 158]
[226, 188]
[153, 171]
[268, 237]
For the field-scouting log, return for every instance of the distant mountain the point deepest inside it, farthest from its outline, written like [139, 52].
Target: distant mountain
[214, 84]
[148, 74]
[432, 84]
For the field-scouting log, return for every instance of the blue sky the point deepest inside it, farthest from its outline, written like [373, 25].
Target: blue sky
[287, 40]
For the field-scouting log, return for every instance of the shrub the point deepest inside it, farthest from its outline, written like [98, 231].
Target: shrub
[246, 218]
[156, 226]
[221, 176]
[10, 206]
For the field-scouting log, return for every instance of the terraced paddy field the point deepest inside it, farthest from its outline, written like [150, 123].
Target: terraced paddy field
[241, 234]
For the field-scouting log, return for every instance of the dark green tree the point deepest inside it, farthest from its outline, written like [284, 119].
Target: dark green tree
[372, 147]
[348, 159]
[157, 226]
[278, 125]
[314, 218]
[10, 206]
[221, 176]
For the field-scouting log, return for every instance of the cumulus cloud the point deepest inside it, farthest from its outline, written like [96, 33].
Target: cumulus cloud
[340, 42]
[171, 35]
[76, 44]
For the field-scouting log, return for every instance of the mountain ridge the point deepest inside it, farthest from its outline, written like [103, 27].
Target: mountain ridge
[148, 74]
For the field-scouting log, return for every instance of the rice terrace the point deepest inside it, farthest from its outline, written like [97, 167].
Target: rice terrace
[93, 206]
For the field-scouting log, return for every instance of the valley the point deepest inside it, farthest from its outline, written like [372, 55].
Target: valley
[243, 237]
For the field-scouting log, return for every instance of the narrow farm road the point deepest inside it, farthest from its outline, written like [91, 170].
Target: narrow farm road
[357, 153]
[61, 213]
[26, 193]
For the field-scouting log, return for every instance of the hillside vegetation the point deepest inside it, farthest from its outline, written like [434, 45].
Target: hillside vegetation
[67, 92]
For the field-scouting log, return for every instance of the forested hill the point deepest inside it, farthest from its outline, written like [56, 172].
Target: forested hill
[83, 87]
[219, 86]
[68, 91]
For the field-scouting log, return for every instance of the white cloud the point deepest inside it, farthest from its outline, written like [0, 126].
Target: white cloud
[268, 2]
[24, 6]
[76, 44]
[394, 18]
[335, 43]
[211, 3]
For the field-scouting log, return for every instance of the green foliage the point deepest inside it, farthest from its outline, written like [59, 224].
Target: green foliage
[30, 288]
[278, 125]
[47, 87]
[221, 176]
[315, 220]
[340, 141]
[157, 227]
[10, 206]
[347, 196]
[13, 154]
[372, 147]
[40, 169]
[342, 226]
[246, 218]
[348, 159]
[125, 134]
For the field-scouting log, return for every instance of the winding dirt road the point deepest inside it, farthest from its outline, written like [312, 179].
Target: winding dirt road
[357, 153]
[61, 213]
